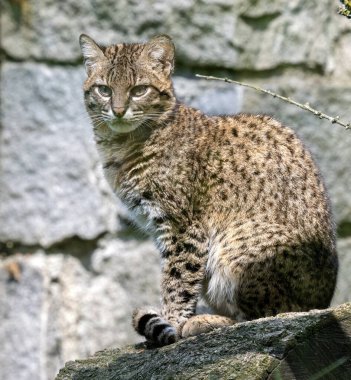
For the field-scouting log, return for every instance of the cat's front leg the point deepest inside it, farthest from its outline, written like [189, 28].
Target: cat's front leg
[184, 261]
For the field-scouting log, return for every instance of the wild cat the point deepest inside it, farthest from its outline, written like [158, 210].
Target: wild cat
[235, 204]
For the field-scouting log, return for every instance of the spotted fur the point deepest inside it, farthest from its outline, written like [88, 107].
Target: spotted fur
[235, 204]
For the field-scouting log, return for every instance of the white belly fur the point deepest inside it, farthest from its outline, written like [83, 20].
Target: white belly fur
[221, 286]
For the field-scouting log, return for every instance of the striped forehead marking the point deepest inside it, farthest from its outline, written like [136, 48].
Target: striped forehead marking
[122, 58]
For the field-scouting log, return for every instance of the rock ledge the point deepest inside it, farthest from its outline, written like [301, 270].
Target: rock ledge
[300, 346]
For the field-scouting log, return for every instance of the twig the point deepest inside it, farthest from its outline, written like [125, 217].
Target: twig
[306, 106]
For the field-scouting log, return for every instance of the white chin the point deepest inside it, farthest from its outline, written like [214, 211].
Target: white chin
[123, 127]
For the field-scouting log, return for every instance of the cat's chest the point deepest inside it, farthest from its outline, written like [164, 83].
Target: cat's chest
[130, 180]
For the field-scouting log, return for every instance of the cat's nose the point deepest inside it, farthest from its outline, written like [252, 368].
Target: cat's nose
[119, 111]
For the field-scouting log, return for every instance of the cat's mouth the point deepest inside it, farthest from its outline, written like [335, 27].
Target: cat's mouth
[123, 125]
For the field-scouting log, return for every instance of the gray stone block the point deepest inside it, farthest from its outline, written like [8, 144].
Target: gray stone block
[241, 35]
[211, 97]
[21, 333]
[54, 309]
[51, 184]
[134, 264]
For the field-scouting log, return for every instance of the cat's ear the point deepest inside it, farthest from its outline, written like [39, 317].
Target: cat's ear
[92, 53]
[160, 50]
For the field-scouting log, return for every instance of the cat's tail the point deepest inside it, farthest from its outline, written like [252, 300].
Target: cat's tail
[150, 324]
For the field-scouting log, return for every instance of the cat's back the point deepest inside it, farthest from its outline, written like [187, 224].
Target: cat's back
[254, 167]
[243, 137]
[259, 137]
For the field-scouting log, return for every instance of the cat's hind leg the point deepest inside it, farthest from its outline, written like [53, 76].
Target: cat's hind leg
[258, 269]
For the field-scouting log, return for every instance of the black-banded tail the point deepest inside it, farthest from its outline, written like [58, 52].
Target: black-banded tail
[149, 324]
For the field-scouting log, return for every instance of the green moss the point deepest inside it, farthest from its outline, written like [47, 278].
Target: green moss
[344, 229]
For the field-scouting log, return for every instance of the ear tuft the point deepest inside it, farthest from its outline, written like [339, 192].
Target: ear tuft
[161, 51]
[92, 53]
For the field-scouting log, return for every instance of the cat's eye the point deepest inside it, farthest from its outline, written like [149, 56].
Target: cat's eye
[104, 91]
[138, 91]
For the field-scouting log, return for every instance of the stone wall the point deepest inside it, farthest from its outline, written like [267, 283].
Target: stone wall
[72, 268]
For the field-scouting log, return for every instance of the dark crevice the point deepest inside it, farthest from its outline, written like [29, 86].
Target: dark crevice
[75, 246]
[186, 68]
[260, 22]
[189, 71]
[6, 57]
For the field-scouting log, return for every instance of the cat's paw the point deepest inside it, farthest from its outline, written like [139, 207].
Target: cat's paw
[204, 323]
[149, 323]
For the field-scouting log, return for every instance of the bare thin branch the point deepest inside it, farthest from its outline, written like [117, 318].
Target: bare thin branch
[306, 106]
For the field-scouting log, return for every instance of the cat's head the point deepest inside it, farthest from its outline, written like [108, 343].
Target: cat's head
[128, 84]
